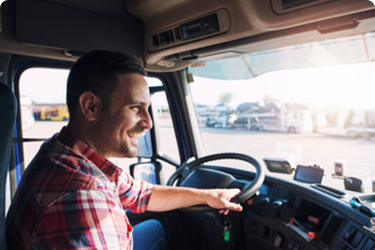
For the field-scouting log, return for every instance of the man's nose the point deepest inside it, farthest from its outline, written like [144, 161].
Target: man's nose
[146, 121]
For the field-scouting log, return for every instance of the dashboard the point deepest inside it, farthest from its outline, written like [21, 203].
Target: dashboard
[298, 216]
[306, 217]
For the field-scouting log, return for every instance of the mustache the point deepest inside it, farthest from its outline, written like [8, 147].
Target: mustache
[137, 130]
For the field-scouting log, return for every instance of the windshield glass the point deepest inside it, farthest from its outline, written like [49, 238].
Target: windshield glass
[310, 105]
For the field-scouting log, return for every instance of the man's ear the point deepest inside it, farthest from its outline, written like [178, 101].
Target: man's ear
[89, 104]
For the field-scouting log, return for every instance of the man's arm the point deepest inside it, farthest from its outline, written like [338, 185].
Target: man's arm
[165, 198]
[82, 219]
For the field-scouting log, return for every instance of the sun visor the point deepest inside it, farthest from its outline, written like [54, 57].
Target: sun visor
[49, 24]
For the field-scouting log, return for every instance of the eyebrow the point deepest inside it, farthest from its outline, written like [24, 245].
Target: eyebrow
[134, 102]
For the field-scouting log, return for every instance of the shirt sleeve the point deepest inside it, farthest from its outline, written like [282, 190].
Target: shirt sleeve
[133, 194]
[83, 220]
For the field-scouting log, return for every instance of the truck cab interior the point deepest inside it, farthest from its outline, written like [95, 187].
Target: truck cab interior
[274, 97]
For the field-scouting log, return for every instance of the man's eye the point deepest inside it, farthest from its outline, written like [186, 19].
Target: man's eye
[137, 108]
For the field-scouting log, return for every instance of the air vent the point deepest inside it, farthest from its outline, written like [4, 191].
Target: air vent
[331, 228]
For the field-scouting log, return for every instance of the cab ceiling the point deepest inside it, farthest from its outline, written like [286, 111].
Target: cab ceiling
[254, 25]
[55, 28]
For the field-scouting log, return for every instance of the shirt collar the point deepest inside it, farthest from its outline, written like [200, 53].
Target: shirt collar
[72, 141]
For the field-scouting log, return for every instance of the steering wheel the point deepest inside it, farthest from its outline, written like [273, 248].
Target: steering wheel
[247, 191]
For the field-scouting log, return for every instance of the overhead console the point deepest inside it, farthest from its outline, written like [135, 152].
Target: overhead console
[282, 6]
[208, 25]
[240, 26]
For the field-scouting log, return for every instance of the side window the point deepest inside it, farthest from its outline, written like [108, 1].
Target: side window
[166, 138]
[43, 106]
[44, 113]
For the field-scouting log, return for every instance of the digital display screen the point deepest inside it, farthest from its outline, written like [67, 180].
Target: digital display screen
[309, 174]
[200, 27]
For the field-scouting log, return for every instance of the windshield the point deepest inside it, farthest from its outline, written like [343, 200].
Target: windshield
[310, 105]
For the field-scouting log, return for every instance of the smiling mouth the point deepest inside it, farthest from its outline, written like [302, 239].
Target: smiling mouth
[135, 135]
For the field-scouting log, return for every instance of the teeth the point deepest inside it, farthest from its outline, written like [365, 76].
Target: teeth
[141, 134]
[132, 134]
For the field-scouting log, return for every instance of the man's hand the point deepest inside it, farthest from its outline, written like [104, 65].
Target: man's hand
[220, 199]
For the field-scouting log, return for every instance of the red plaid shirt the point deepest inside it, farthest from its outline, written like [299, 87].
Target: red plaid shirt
[70, 197]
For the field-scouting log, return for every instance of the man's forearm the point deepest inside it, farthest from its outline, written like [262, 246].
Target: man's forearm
[164, 198]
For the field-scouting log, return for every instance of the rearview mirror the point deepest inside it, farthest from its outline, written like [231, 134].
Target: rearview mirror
[146, 171]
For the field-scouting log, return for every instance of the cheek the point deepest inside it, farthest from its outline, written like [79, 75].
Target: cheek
[123, 123]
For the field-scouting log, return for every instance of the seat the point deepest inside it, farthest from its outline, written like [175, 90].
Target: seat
[8, 111]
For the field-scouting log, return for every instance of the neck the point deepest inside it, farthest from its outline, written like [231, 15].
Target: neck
[83, 131]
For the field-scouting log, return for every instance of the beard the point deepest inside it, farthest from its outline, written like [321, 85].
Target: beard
[112, 141]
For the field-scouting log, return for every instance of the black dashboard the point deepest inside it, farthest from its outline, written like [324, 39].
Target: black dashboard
[297, 216]
[303, 216]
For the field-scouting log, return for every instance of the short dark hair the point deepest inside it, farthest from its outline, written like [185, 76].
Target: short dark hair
[97, 72]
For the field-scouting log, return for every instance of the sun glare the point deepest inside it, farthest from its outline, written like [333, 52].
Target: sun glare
[340, 87]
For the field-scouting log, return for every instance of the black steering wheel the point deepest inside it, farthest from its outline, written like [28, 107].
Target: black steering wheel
[246, 192]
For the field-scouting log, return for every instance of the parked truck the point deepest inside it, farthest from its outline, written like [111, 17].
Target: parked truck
[288, 117]
[51, 112]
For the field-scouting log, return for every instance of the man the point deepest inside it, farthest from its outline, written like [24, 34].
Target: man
[71, 196]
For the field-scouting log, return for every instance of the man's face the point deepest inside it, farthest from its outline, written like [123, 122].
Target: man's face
[126, 118]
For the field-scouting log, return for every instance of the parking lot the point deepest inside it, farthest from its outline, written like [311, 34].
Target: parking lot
[303, 149]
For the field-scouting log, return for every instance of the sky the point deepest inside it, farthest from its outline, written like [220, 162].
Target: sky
[44, 85]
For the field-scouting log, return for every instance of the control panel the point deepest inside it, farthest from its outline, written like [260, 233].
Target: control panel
[354, 237]
[205, 26]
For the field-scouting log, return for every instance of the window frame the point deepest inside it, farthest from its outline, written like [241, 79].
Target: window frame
[17, 166]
